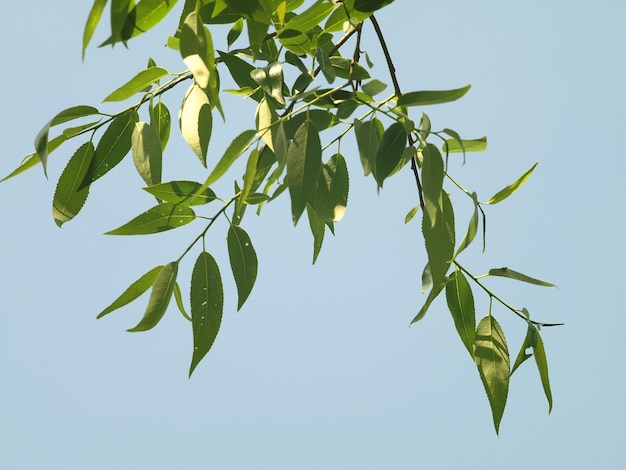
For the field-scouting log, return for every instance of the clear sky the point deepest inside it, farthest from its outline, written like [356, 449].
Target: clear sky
[320, 368]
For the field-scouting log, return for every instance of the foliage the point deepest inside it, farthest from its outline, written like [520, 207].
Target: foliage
[331, 97]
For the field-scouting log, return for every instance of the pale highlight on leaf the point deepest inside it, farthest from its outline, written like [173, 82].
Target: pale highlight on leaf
[461, 304]
[196, 121]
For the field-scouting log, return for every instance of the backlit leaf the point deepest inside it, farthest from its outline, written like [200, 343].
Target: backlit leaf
[207, 305]
[147, 155]
[196, 121]
[470, 145]
[318, 228]
[134, 291]
[184, 193]
[542, 367]
[178, 296]
[113, 146]
[461, 304]
[510, 189]
[33, 159]
[344, 17]
[310, 18]
[424, 98]
[368, 136]
[270, 79]
[389, 152]
[196, 48]
[243, 262]
[138, 83]
[165, 216]
[506, 272]
[439, 239]
[68, 198]
[234, 151]
[331, 193]
[304, 160]
[235, 32]
[373, 87]
[432, 295]
[409, 215]
[432, 182]
[492, 358]
[159, 298]
[371, 5]
[160, 120]
[92, 22]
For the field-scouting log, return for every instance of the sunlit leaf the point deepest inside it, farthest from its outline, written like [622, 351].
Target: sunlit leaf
[234, 151]
[134, 291]
[196, 121]
[165, 216]
[147, 155]
[409, 215]
[178, 296]
[492, 358]
[344, 17]
[207, 305]
[159, 298]
[424, 98]
[461, 304]
[510, 189]
[469, 145]
[270, 79]
[432, 182]
[196, 48]
[331, 193]
[243, 262]
[68, 198]
[184, 193]
[92, 22]
[160, 120]
[439, 238]
[506, 272]
[138, 83]
[304, 160]
[371, 5]
[432, 295]
[368, 136]
[235, 32]
[308, 19]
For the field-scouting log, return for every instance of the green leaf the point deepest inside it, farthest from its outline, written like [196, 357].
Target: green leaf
[113, 146]
[325, 65]
[461, 305]
[41, 140]
[389, 152]
[33, 160]
[257, 10]
[183, 193]
[304, 160]
[243, 262]
[270, 79]
[506, 272]
[92, 22]
[344, 67]
[308, 19]
[511, 188]
[178, 296]
[492, 358]
[345, 17]
[368, 136]
[68, 198]
[134, 291]
[467, 145]
[196, 121]
[318, 228]
[159, 298]
[70, 132]
[265, 116]
[196, 48]
[424, 98]
[138, 83]
[432, 182]
[147, 154]
[427, 278]
[471, 230]
[165, 216]
[235, 32]
[409, 215]
[240, 70]
[321, 118]
[530, 341]
[160, 121]
[120, 10]
[371, 5]
[542, 367]
[207, 305]
[432, 295]
[256, 198]
[373, 87]
[439, 239]
[234, 151]
[331, 193]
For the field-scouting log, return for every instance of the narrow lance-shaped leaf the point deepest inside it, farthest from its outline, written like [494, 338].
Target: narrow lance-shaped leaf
[432, 182]
[304, 160]
[432, 295]
[134, 291]
[159, 298]
[331, 193]
[196, 121]
[243, 262]
[139, 82]
[310, 18]
[178, 296]
[120, 10]
[270, 79]
[530, 341]
[318, 229]
[160, 120]
[461, 304]
[92, 22]
[389, 151]
[510, 189]
[234, 151]
[184, 193]
[506, 272]
[165, 216]
[465, 145]
[492, 358]
[472, 229]
[424, 98]
[207, 305]
[147, 154]
[32, 160]
[324, 61]
[439, 239]
[542, 367]
[196, 47]
[68, 198]
[113, 146]
[371, 5]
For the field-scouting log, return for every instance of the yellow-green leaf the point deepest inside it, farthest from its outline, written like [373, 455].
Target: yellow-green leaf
[159, 298]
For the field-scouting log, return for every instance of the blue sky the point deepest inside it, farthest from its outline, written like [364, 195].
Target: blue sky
[320, 368]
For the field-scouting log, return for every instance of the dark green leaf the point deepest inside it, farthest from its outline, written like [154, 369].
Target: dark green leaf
[160, 120]
[506, 272]
[138, 83]
[257, 10]
[318, 228]
[424, 98]
[33, 160]
[92, 21]
[134, 291]
[389, 152]
[432, 182]
[147, 155]
[114, 144]
[371, 5]
[256, 198]
[530, 341]
[207, 305]
[542, 367]
[270, 79]
[368, 136]
[471, 232]
[243, 262]
[68, 198]
[461, 305]
[184, 193]
[159, 298]
[492, 358]
[120, 10]
[321, 118]
[345, 68]
[510, 189]
[165, 216]
[196, 121]
[310, 18]
[439, 239]
[331, 193]
[304, 160]
[235, 32]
